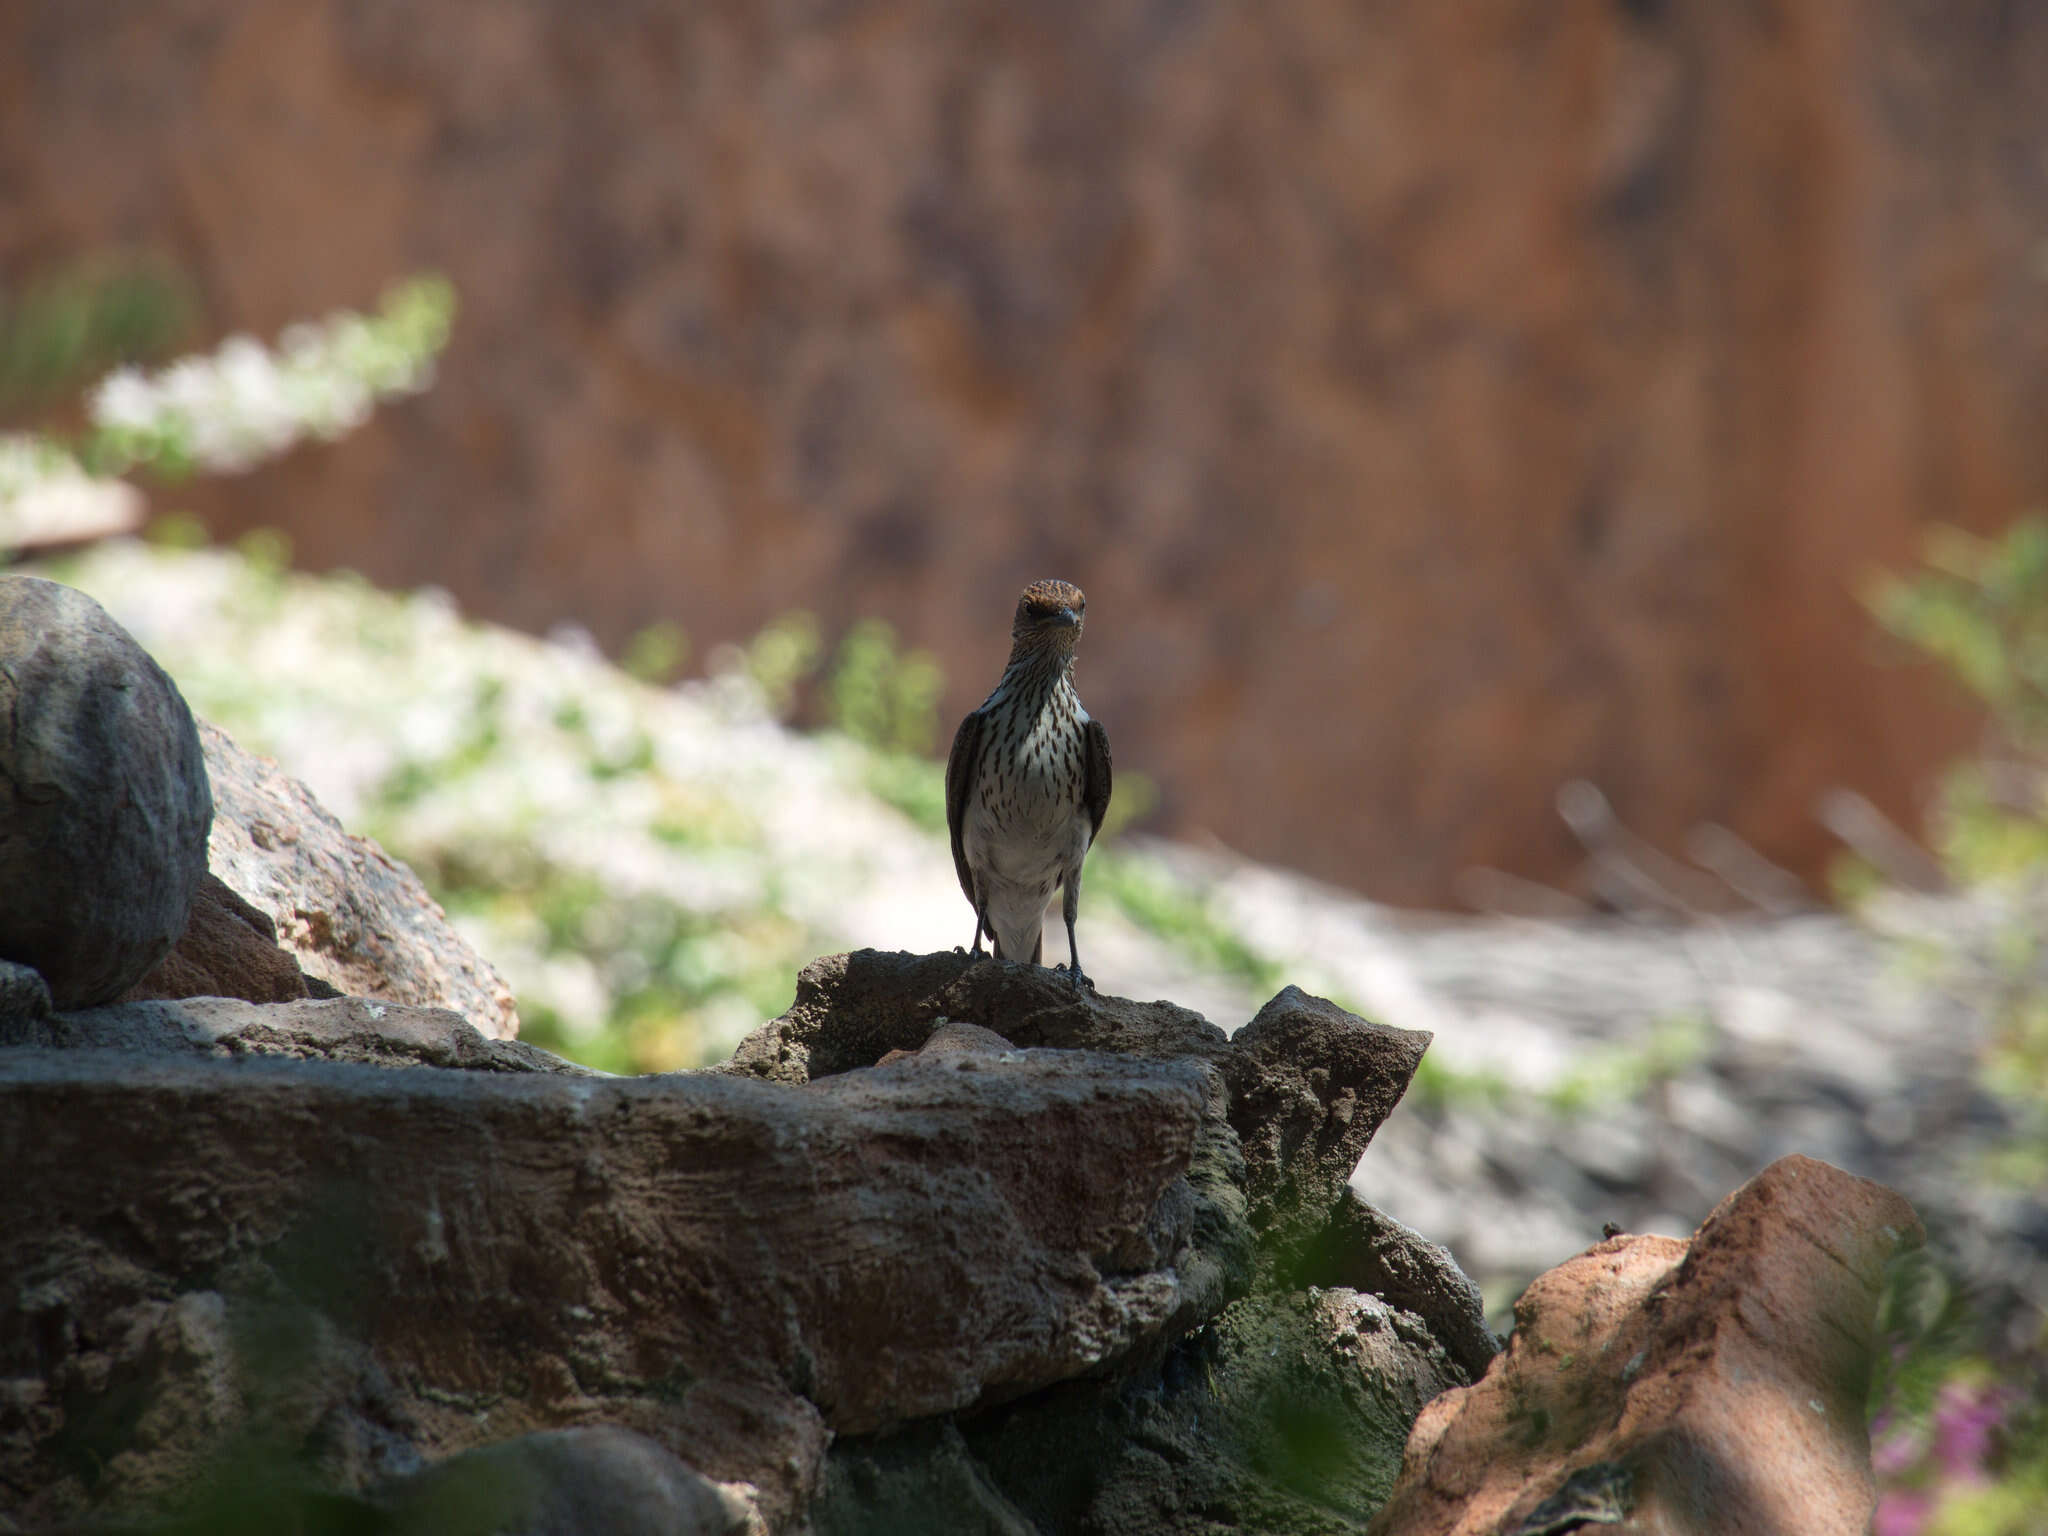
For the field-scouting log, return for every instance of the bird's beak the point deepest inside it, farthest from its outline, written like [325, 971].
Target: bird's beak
[1067, 618]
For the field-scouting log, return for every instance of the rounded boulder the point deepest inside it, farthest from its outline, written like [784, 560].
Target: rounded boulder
[104, 802]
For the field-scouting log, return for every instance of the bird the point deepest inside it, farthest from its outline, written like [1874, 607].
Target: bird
[1027, 784]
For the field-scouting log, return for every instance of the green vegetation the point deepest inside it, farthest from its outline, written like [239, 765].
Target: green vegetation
[219, 413]
[60, 331]
[1153, 899]
[1960, 1427]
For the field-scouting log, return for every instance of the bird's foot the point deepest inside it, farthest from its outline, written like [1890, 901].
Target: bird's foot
[1076, 977]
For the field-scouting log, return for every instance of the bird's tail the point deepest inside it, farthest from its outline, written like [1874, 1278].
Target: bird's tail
[1010, 943]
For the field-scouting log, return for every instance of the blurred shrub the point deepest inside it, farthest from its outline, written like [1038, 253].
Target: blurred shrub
[656, 654]
[1960, 1435]
[218, 413]
[1980, 607]
[243, 403]
[882, 696]
[780, 658]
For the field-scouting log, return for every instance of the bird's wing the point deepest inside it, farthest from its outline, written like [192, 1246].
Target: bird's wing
[1095, 776]
[963, 765]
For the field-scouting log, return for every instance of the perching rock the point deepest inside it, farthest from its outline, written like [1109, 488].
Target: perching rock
[356, 919]
[1656, 1385]
[1303, 1086]
[1284, 1411]
[103, 796]
[228, 949]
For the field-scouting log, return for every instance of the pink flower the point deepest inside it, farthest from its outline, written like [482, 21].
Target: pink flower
[1902, 1512]
[1966, 1417]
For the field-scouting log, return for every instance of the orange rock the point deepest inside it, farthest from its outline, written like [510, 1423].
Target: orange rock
[1713, 1386]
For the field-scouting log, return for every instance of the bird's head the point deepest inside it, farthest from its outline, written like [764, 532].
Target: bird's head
[1049, 615]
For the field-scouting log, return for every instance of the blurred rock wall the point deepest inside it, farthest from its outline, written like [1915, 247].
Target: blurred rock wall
[1436, 401]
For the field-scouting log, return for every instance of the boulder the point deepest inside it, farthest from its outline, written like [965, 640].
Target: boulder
[1716, 1385]
[356, 920]
[104, 805]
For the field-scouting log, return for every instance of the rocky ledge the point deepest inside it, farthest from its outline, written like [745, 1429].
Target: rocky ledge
[939, 1213]
[946, 1247]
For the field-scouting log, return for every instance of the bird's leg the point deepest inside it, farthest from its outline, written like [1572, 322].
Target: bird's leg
[1070, 907]
[980, 920]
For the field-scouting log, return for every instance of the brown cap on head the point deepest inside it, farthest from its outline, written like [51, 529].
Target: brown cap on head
[1049, 607]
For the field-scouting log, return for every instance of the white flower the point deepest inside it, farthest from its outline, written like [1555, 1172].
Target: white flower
[247, 403]
[124, 399]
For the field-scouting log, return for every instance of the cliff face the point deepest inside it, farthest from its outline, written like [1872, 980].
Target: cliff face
[1436, 402]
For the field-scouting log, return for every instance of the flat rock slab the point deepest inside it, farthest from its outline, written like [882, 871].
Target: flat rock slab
[358, 1030]
[1656, 1385]
[375, 1267]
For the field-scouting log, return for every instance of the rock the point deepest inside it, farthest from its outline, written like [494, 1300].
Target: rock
[1285, 1416]
[951, 1039]
[1009, 1287]
[924, 1479]
[103, 796]
[354, 918]
[229, 949]
[1309, 1084]
[1718, 1385]
[24, 995]
[1287, 1410]
[855, 1009]
[1367, 1250]
[566, 1482]
[412, 1262]
[358, 1030]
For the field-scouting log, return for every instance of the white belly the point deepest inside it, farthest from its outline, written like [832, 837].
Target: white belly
[1023, 841]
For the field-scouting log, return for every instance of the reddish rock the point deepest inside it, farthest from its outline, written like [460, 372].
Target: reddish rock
[229, 949]
[1439, 401]
[1657, 1385]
